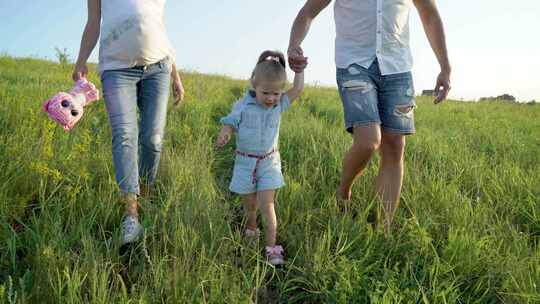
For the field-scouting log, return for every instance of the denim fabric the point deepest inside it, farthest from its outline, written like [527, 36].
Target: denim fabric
[257, 126]
[257, 132]
[268, 174]
[137, 139]
[369, 97]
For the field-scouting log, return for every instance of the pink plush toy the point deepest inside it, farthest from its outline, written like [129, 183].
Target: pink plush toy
[67, 108]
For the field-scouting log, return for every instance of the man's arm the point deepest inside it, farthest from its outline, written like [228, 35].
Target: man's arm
[433, 27]
[299, 30]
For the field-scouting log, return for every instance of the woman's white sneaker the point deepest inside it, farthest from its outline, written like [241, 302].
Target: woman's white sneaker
[131, 229]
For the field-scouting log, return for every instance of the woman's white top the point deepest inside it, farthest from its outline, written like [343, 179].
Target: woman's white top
[133, 34]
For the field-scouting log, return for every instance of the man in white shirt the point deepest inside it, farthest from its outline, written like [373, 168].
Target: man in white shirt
[374, 61]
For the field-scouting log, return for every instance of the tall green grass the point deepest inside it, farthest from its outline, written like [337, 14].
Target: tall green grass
[467, 230]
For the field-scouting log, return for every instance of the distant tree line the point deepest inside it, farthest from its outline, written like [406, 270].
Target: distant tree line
[503, 97]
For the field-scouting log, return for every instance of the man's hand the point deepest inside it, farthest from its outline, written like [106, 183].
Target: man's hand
[442, 87]
[297, 60]
[433, 26]
[299, 30]
[224, 136]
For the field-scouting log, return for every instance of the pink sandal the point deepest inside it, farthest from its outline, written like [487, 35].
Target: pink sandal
[274, 255]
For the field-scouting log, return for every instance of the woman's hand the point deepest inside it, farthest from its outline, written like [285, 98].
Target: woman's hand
[80, 71]
[177, 86]
[178, 90]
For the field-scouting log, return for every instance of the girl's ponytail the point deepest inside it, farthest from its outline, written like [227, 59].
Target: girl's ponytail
[270, 66]
[273, 56]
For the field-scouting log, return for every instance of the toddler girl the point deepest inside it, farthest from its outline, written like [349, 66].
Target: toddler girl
[257, 168]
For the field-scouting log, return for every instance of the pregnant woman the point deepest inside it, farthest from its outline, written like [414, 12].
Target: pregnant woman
[136, 65]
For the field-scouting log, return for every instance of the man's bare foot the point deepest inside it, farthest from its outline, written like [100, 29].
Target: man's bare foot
[387, 227]
[343, 195]
[343, 200]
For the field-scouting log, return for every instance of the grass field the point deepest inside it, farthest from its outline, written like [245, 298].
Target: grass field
[467, 230]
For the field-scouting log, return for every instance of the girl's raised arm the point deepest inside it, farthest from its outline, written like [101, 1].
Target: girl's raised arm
[298, 86]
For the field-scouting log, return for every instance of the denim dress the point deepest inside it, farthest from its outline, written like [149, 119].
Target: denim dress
[257, 164]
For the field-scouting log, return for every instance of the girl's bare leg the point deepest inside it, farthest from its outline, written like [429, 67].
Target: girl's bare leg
[266, 200]
[250, 208]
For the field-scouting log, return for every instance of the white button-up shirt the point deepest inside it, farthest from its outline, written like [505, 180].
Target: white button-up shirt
[373, 29]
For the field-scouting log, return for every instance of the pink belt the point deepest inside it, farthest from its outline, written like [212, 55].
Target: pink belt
[259, 159]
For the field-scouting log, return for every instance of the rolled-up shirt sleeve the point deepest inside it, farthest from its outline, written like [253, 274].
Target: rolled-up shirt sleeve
[233, 118]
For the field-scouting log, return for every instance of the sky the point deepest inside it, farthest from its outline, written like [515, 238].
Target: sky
[494, 46]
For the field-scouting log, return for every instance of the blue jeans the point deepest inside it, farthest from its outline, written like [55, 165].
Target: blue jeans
[136, 147]
[369, 97]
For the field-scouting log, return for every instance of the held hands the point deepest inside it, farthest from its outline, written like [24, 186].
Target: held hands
[297, 60]
[442, 87]
[224, 136]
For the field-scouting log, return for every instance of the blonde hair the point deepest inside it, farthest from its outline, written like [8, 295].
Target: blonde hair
[270, 67]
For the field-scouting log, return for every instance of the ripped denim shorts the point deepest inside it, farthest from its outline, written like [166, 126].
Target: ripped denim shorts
[371, 98]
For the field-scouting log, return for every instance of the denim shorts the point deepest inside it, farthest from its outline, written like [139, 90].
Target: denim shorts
[371, 98]
[268, 174]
